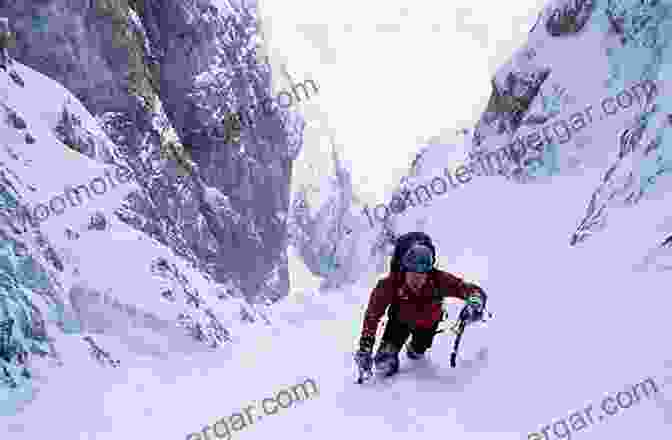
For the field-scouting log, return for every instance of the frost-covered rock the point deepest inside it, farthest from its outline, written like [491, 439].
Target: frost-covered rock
[30, 295]
[158, 86]
[145, 264]
[609, 117]
[331, 237]
[587, 94]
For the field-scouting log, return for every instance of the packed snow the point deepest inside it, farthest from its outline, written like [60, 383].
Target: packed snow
[571, 324]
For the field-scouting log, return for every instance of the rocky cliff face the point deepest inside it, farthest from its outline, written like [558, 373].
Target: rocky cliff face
[159, 76]
[586, 94]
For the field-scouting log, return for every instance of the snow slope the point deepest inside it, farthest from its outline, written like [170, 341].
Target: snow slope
[572, 324]
[109, 281]
[568, 328]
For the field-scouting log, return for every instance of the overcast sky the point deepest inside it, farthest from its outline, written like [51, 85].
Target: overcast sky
[391, 74]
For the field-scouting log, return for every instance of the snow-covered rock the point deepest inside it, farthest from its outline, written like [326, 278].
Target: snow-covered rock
[123, 219]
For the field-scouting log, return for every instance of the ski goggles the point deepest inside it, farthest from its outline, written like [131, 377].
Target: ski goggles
[418, 258]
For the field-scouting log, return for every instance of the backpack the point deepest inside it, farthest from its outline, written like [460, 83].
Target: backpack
[403, 243]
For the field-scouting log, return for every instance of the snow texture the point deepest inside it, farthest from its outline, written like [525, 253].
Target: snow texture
[112, 326]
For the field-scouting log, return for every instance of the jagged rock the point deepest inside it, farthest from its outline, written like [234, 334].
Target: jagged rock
[535, 99]
[569, 18]
[510, 101]
[99, 355]
[134, 69]
[69, 130]
[5, 42]
[48, 252]
[17, 79]
[17, 121]
[169, 295]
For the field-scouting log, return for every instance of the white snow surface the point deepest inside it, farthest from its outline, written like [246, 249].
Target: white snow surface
[571, 324]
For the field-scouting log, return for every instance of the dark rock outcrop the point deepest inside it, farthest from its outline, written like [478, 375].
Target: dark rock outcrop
[156, 74]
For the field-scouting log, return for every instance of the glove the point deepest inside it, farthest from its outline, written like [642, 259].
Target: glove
[363, 355]
[366, 343]
[364, 361]
[473, 309]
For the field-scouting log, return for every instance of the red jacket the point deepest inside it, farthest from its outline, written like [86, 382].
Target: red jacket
[420, 309]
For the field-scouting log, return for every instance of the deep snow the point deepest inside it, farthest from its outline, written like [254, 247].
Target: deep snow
[571, 324]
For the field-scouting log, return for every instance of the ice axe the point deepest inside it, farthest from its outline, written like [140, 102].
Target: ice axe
[458, 329]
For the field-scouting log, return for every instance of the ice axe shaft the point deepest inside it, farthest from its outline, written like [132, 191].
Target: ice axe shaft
[456, 344]
[459, 332]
